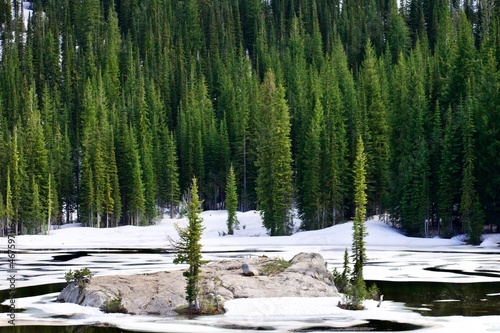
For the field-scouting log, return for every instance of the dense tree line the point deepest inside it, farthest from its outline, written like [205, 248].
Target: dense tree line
[108, 109]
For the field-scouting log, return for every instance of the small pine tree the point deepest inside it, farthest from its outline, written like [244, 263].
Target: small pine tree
[341, 280]
[359, 229]
[231, 201]
[189, 248]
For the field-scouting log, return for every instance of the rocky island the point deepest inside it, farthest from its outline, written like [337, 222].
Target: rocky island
[161, 293]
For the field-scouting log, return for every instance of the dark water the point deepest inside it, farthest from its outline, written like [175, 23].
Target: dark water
[41, 289]
[61, 329]
[444, 299]
[371, 325]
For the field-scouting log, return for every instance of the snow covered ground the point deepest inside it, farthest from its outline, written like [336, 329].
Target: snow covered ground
[392, 257]
[250, 233]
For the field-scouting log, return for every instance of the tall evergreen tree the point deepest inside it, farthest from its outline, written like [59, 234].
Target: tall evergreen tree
[171, 189]
[310, 182]
[334, 144]
[449, 173]
[145, 151]
[409, 145]
[274, 181]
[136, 200]
[359, 228]
[470, 208]
[375, 134]
[487, 137]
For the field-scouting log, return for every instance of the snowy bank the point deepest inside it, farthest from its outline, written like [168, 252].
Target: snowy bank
[250, 233]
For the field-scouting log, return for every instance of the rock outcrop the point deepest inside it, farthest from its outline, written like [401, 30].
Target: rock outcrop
[160, 293]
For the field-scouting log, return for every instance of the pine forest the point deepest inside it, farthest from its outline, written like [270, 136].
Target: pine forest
[109, 109]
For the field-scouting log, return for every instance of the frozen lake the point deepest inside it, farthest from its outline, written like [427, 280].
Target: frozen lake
[432, 284]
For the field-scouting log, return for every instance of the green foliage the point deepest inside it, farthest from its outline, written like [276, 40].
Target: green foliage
[189, 248]
[274, 181]
[342, 280]
[275, 267]
[360, 200]
[353, 287]
[231, 201]
[113, 306]
[472, 216]
[357, 291]
[171, 181]
[410, 157]
[373, 292]
[374, 129]
[120, 109]
[80, 277]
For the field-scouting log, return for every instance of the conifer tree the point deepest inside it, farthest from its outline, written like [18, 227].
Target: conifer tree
[274, 180]
[136, 202]
[152, 69]
[448, 175]
[334, 145]
[16, 181]
[144, 139]
[470, 209]
[172, 190]
[189, 248]
[9, 210]
[195, 116]
[359, 228]
[398, 35]
[231, 201]
[309, 187]
[464, 63]
[487, 137]
[375, 131]
[129, 174]
[112, 199]
[111, 73]
[35, 156]
[409, 147]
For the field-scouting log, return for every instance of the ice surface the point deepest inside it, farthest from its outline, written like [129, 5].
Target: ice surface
[391, 256]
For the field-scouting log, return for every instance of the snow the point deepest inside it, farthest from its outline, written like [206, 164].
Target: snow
[491, 240]
[392, 256]
[250, 233]
[26, 12]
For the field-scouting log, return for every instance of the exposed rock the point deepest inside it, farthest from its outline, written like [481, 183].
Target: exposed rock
[160, 293]
[311, 264]
[249, 270]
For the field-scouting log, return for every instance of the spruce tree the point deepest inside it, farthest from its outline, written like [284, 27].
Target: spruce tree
[16, 181]
[470, 209]
[189, 248]
[136, 201]
[231, 201]
[309, 187]
[274, 180]
[334, 147]
[359, 228]
[487, 137]
[409, 147]
[172, 190]
[448, 173]
[145, 148]
[375, 131]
